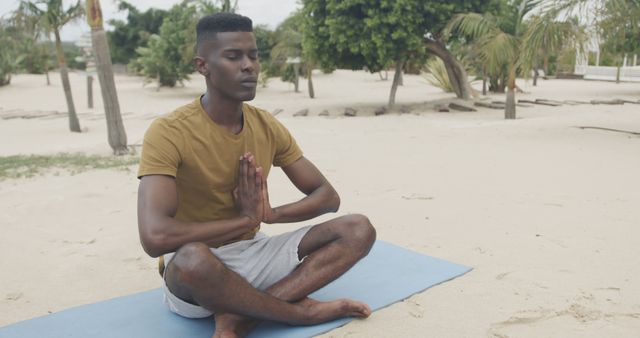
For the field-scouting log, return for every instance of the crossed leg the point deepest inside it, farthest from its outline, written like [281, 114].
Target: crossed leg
[331, 248]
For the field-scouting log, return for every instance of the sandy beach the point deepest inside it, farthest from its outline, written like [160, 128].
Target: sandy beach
[545, 212]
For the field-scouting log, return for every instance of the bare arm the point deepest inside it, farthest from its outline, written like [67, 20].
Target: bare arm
[320, 197]
[161, 233]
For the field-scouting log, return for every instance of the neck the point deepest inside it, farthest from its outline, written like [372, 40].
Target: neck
[223, 112]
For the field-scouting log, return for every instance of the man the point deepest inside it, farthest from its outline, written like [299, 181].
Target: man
[203, 195]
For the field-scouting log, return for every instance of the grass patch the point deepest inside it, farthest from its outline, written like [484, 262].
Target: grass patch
[22, 166]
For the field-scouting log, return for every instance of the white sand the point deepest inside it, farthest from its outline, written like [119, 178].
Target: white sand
[546, 213]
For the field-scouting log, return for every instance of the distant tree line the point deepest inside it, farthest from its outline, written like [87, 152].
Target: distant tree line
[158, 44]
[490, 40]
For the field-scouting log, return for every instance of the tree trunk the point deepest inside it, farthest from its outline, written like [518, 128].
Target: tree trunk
[535, 76]
[457, 74]
[545, 66]
[312, 93]
[510, 106]
[296, 79]
[5, 80]
[46, 60]
[618, 73]
[46, 70]
[90, 91]
[484, 85]
[401, 79]
[74, 124]
[484, 81]
[394, 85]
[115, 127]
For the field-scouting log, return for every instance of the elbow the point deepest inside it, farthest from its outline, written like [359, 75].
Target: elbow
[154, 244]
[334, 201]
[151, 250]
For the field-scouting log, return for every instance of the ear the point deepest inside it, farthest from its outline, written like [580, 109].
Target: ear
[201, 65]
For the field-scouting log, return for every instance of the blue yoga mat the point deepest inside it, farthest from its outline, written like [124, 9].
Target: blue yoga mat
[387, 275]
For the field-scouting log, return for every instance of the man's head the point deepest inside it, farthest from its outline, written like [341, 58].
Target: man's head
[227, 55]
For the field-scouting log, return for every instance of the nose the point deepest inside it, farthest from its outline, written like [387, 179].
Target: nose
[248, 65]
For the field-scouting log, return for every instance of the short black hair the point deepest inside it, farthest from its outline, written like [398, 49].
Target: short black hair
[210, 25]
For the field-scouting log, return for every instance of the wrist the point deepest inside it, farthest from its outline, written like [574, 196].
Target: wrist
[272, 216]
[250, 222]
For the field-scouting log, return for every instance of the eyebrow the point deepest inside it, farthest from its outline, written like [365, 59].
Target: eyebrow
[238, 50]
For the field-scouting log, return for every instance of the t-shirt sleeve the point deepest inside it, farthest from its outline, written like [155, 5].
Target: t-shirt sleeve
[160, 151]
[287, 150]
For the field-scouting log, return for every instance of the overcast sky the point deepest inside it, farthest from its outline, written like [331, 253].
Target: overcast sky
[266, 12]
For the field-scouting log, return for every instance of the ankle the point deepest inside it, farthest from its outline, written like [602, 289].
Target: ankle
[309, 314]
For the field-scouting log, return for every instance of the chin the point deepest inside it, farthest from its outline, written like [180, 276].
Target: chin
[248, 97]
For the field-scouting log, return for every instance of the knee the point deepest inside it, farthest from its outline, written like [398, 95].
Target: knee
[192, 262]
[360, 231]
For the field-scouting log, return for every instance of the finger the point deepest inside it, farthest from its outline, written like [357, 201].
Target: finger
[259, 179]
[265, 190]
[239, 172]
[243, 175]
[235, 194]
[251, 175]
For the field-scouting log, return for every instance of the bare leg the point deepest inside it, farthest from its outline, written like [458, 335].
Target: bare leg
[197, 276]
[330, 248]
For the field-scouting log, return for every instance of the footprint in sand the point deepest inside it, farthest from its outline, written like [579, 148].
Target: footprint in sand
[580, 310]
[479, 250]
[417, 197]
[501, 276]
[415, 309]
[13, 296]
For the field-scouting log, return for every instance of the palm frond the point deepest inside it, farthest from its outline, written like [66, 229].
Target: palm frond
[471, 25]
[436, 75]
[72, 13]
[51, 13]
[498, 50]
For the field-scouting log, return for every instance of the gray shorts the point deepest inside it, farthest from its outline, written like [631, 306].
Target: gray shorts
[262, 261]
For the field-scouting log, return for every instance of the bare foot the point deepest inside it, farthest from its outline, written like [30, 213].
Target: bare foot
[231, 326]
[320, 312]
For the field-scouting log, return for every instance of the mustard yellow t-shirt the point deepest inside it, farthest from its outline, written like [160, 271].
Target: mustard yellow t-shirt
[204, 157]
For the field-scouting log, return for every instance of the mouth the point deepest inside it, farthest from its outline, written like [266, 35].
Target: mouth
[251, 83]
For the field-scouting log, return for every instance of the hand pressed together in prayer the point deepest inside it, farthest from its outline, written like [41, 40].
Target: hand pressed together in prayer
[251, 195]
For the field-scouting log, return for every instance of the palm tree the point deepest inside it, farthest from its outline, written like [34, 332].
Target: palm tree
[115, 127]
[619, 26]
[550, 35]
[227, 7]
[52, 18]
[509, 44]
[616, 22]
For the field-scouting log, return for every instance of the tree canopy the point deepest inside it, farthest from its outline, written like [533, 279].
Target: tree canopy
[168, 56]
[356, 34]
[135, 32]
